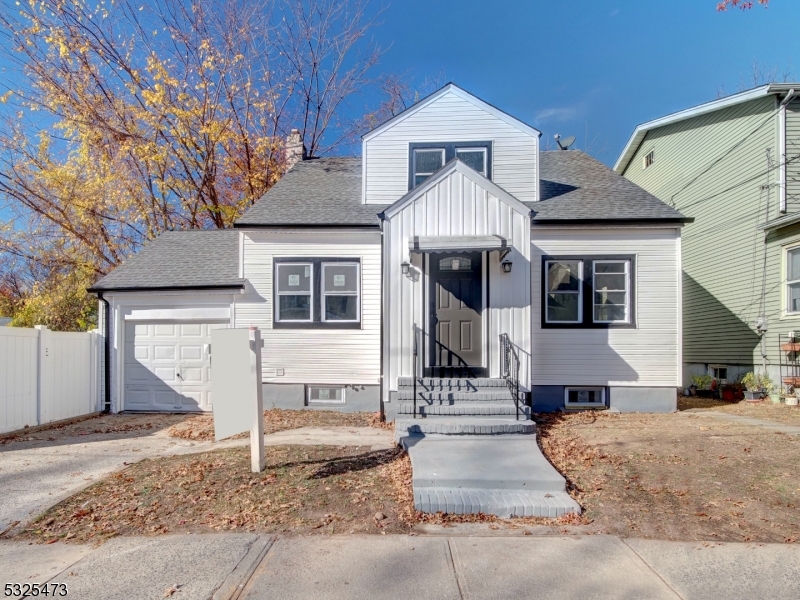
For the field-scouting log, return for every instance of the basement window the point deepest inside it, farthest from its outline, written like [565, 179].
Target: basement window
[719, 372]
[649, 159]
[325, 394]
[584, 397]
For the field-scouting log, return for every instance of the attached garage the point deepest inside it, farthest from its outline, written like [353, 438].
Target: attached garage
[168, 365]
[162, 305]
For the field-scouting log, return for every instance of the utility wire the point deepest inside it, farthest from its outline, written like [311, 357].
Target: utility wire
[727, 153]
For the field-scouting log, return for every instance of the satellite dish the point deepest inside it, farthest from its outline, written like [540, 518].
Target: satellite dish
[566, 142]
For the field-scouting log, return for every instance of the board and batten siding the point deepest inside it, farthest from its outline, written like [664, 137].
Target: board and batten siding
[647, 356]
[450, 118]
[456, 206]
[701, 171]
[335, 356]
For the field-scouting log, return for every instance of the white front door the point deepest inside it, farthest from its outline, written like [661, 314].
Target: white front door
[167, 365]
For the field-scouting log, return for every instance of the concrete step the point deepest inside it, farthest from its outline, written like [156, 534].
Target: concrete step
[460, 425]
[503, 503]
[484, 395]
[505, 407]
[452, 383]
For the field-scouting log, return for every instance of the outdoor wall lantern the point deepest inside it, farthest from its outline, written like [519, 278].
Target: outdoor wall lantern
[405, 267]
[506, 264]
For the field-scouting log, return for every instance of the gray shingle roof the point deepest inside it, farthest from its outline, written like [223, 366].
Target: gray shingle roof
[179, 259]
[576, 187]
[321, 191]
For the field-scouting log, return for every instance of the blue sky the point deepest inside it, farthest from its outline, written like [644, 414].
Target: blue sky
[567, 65]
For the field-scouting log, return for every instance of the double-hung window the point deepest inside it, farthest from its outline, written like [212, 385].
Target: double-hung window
[426, 158]
[564, 291]
[340, 292]
[590, 291]
[294, 291]
[793, 281]
[611, 291]
[320, 293]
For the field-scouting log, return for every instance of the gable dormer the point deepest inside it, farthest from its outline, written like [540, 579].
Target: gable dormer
[450, 123]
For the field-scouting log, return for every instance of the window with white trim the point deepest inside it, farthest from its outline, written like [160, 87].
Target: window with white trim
[588, 291]
[793, 281]
[426, 162]
[425, 158]
[649, 159]
[564, 291]
[584, 396]
[611, 291]
[317, 293]
[719, 372]
[340, 291]
[325, 394]
[294, 291]
[474, 158]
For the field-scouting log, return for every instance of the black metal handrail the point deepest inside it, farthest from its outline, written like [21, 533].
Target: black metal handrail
[416, 354]
[509, 368]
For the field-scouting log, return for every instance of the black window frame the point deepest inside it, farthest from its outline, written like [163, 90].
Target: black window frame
[449, 154]
[316, 293]
[587, 291]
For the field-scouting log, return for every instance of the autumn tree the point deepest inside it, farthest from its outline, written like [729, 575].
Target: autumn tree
[126, 119]
[742, 4]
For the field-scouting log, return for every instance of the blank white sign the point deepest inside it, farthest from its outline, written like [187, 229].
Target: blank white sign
[234, 381]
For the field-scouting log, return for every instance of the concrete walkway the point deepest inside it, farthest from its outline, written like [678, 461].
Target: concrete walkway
[247, 566]
[742, 420]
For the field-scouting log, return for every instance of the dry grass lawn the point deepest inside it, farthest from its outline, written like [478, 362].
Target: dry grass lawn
[765, 409]
[677, 477]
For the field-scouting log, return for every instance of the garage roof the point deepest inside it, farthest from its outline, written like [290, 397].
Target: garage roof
[175, 260]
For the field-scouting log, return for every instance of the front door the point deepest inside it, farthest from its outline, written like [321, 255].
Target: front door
[456, 313]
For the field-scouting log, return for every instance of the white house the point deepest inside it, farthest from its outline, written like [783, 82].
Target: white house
[452, 230]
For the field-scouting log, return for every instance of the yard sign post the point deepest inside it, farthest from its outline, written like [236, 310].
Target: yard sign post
[237, 397]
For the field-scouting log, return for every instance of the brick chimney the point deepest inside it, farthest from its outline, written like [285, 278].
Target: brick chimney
[295, 150]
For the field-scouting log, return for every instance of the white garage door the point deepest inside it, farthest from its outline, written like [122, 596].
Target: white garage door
[167, 366]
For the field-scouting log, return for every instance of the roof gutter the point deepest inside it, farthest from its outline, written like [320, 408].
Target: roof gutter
[668, 221]
[168, 288]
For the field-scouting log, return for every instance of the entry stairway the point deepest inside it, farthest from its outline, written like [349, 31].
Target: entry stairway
[471, 452]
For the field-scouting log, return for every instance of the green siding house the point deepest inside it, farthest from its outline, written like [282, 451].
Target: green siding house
[734, 165]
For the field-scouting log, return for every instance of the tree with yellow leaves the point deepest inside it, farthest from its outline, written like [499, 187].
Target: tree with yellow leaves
[129, 119]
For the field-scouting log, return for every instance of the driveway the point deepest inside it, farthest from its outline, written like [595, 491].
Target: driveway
[41, 469]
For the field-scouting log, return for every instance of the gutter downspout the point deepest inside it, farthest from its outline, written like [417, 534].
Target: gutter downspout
[382, 218]
[106, 354]
[782, 150]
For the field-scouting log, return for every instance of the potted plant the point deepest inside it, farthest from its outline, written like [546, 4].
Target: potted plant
[728, 392]
[702, 383]
[791, 396]
[756, 386]
[775, 393]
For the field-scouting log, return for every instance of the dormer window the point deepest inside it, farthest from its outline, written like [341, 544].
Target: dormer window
[427, 158]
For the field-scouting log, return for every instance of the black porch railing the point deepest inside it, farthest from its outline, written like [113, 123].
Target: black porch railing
[416, 356]
[509, 368]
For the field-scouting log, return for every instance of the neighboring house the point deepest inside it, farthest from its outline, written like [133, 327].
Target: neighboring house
[734, 165]
[453, 229]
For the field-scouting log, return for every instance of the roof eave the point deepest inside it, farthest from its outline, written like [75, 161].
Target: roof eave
[598, 221]
[167, 288]
[641, 130]
[375, 225]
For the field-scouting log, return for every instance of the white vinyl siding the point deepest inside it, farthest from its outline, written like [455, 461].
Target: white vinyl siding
[450, 118]
[320, 356]
[647, 355]
[456, 206]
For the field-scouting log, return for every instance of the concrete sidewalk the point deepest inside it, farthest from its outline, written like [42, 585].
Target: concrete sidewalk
[247, 566]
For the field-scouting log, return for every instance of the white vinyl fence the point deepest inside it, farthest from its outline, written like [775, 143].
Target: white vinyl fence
[47, 376]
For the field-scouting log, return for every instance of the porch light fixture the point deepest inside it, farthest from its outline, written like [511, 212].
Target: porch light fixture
[506, 264]
[405, 267]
